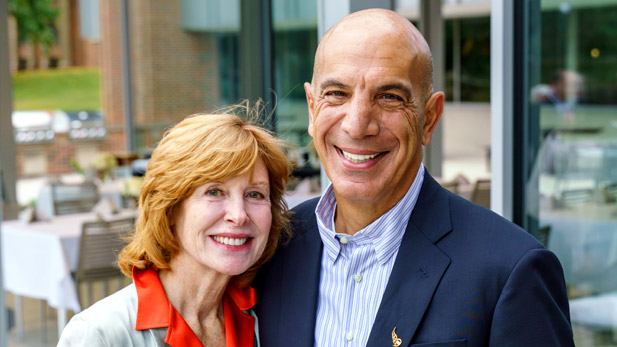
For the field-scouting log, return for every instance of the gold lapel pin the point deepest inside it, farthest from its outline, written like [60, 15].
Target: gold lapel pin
[396, 341]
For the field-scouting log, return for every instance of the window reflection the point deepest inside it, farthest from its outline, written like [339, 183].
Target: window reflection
[295, 41]
[572, 185]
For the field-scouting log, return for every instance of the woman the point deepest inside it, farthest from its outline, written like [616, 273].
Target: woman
[211, 212]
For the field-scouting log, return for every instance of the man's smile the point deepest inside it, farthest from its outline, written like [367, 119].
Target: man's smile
[358, 158]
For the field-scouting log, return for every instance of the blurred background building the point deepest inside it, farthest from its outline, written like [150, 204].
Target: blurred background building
[529, 127]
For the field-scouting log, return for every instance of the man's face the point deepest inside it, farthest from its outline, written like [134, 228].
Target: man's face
[366, 117]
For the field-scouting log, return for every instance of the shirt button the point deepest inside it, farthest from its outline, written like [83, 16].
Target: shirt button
[349, 336]
[344, 240]
[357, 278]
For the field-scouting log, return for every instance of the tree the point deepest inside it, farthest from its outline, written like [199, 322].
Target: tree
[35, 23]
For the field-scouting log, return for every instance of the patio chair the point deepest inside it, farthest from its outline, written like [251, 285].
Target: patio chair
[74, 198]
[481, 194]
[544, 234]
[98, 249]
[609, 191]
[574, 197]
[452, 186]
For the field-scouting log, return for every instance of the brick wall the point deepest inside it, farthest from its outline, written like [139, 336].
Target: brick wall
[57, 155]
[111, 62]
[175, 72]
[12, 30]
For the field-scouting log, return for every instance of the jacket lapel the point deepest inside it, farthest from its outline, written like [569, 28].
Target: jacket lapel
[417, 270]
[300, 288]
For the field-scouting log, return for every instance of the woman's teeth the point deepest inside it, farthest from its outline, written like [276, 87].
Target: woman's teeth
[230, 241]
[358, 158]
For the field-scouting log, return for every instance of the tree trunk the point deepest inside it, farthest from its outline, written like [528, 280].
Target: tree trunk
[37, 55]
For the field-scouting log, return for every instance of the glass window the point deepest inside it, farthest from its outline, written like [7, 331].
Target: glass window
[466, 122]
[571, 126]
[229, 66]
[295, 41]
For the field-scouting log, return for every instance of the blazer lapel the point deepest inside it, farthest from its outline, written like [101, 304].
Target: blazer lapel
[300, 288]
[417, 270]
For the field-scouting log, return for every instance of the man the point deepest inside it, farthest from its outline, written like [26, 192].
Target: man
[564, 92]
[387, 257]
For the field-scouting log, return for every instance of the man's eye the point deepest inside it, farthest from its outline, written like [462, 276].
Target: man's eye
[335, 93]
[392, 97]
[213, 192]
[255, 195]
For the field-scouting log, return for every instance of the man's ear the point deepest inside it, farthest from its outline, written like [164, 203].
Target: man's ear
[310, 102]
[432, 113]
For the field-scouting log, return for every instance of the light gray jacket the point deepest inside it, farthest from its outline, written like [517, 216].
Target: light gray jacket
[111, 322]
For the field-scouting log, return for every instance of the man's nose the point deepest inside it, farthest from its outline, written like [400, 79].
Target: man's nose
[360, 120]
[236, 211]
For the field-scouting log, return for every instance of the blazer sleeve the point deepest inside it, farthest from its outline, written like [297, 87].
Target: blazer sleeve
[80, 332]
[533, 309]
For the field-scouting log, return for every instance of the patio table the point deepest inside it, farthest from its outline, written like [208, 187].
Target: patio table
[38, 259]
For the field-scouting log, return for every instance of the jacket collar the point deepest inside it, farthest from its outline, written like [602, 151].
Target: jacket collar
[418, 268]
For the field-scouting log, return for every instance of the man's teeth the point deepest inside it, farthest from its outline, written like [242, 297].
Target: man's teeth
[230, 241]
[358, 158]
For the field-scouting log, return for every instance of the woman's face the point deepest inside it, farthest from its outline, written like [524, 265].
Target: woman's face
[224, 226]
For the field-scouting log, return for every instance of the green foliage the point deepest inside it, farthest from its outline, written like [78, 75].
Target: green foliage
[597, 29]
[35, 20]
[75, 165]
[71, 89]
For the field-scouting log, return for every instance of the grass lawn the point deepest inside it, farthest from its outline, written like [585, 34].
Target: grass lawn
[71, 89]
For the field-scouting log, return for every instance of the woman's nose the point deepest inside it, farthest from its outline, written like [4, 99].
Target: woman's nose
[236, 211]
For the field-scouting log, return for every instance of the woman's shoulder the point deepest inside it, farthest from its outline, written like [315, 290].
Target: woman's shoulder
[109, 322]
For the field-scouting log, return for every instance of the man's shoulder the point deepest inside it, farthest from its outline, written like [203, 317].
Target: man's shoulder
[480, 228]
[306, 208]
[303, 217]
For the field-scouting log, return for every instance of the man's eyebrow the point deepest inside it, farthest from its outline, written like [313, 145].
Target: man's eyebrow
[332, 83]
[396, 86]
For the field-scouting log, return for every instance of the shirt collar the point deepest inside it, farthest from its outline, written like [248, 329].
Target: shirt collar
[239, 326]
[155, 311]
[384, 234]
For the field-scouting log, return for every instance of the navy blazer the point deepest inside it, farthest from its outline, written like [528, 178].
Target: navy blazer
[463, 276]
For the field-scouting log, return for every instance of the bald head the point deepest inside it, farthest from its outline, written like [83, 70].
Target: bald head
[381, 31]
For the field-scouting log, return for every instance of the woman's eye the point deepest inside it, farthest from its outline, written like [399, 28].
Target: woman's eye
[255, 195]
[213, 192]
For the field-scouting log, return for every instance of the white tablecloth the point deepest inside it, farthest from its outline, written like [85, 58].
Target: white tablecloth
[38, 258]
[585, 241]
[598, 311]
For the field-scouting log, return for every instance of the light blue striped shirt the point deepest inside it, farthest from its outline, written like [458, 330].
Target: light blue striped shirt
[355, 269]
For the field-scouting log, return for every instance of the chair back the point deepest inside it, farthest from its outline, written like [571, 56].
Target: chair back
[99, 246]
[74, 198]
[544, 234]
[572, 197]
[610, 192]
[452, 186]
[481, 194]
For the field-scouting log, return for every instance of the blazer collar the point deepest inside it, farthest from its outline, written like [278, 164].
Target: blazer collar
[417, 270]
